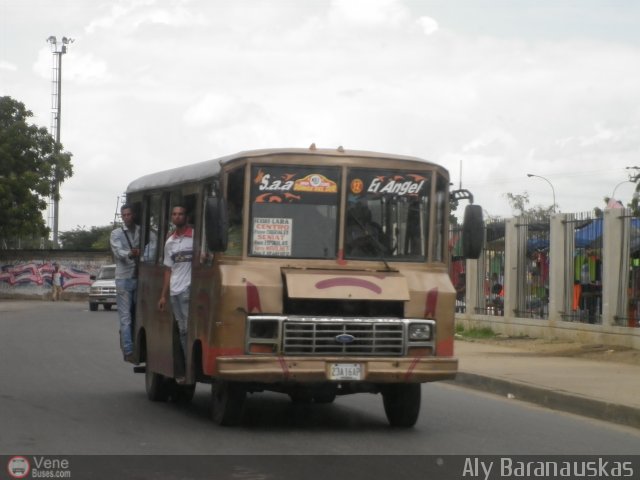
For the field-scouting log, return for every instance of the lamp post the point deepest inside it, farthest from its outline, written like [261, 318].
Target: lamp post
[613, 195]
[553, 191]
[58, 49]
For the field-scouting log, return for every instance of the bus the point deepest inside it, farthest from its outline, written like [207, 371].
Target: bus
[316, 273]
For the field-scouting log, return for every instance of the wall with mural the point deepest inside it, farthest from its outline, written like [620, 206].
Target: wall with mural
[28, 273]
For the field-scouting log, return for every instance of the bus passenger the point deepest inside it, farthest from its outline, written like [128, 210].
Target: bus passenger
[125, 243]
[178, 253]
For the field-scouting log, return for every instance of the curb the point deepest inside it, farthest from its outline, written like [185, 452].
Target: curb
[556, 400]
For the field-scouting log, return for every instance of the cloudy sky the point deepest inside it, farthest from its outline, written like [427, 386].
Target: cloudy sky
[503, 88]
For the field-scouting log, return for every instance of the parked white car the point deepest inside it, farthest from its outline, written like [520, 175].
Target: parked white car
[103, 289]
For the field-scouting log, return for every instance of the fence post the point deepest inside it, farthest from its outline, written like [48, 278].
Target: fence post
[510, 268]
[557, 274]
[472, 288]
[612, 276]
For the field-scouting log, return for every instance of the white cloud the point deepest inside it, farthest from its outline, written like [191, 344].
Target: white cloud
[4, 65]
[118, 16]
[369, 13]
[86, 68]
[601, 135]
[429, 25]
[153, 84]
[128, 16]
[80, 68]
[221, 111]
[495, 140]
[44, 63]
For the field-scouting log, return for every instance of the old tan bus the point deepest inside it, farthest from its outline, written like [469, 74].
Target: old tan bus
[315, 273]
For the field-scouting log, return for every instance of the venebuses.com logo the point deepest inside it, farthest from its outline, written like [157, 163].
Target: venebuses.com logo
[18, 467]
[39, 466]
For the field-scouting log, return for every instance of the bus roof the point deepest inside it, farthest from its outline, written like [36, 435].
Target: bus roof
[211, 168]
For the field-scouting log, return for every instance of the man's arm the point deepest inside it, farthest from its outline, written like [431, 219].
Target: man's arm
[165, 289]
[116, 246]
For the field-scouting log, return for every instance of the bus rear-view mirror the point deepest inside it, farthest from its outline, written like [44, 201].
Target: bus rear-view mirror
[472, 232]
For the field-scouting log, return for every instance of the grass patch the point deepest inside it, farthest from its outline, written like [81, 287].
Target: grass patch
[471, 333]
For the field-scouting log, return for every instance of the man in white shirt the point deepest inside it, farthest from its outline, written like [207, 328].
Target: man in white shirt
[178, 254]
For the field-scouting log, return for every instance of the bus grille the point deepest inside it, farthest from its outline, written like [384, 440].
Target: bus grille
[343, 338]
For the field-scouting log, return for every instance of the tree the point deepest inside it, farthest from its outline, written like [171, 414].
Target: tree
[520, 205]
[635, 202]
[30, 161]
[97, 238]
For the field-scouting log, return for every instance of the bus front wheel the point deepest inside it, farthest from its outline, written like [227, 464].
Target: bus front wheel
[227, 402]
[402, 404]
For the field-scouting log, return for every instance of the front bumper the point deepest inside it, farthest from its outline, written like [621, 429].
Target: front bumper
[270, 369]
[102, 299]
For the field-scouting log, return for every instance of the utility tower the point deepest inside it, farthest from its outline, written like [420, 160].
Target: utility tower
[58, 49]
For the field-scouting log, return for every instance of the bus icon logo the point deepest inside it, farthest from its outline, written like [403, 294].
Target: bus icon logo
[18, 467]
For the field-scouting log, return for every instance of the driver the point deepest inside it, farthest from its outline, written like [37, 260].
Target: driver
[364, 237]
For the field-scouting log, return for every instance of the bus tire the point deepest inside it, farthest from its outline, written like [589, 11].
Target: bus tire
[402, 404]
[227, 402]
[156, 386]
[93, 307]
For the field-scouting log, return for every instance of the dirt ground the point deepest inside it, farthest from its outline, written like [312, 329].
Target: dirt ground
[563, 348]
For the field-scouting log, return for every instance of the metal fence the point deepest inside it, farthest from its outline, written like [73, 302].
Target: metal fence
[491, 270]
[583, 268]
[458, 268]
[578, 282]
[628, 307]
[533, 272]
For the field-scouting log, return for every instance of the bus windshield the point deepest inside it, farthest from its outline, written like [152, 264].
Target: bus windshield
[387, 214]
[294, 211]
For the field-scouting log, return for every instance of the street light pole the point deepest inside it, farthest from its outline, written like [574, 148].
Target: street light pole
[553, 191]
[613, 195]
[58, 50]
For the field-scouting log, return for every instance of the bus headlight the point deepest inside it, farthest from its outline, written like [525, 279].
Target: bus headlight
[264, 329]
[419, 332]
[263, 334]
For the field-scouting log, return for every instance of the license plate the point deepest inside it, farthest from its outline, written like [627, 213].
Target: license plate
[345, 371]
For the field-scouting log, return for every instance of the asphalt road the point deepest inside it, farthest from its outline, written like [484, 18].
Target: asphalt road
[65, 390]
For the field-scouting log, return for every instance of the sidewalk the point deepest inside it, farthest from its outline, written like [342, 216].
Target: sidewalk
[605, 390]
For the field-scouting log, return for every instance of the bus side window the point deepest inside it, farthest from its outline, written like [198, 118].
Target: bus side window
[151, 229]
[205, 255]
[235, 197]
